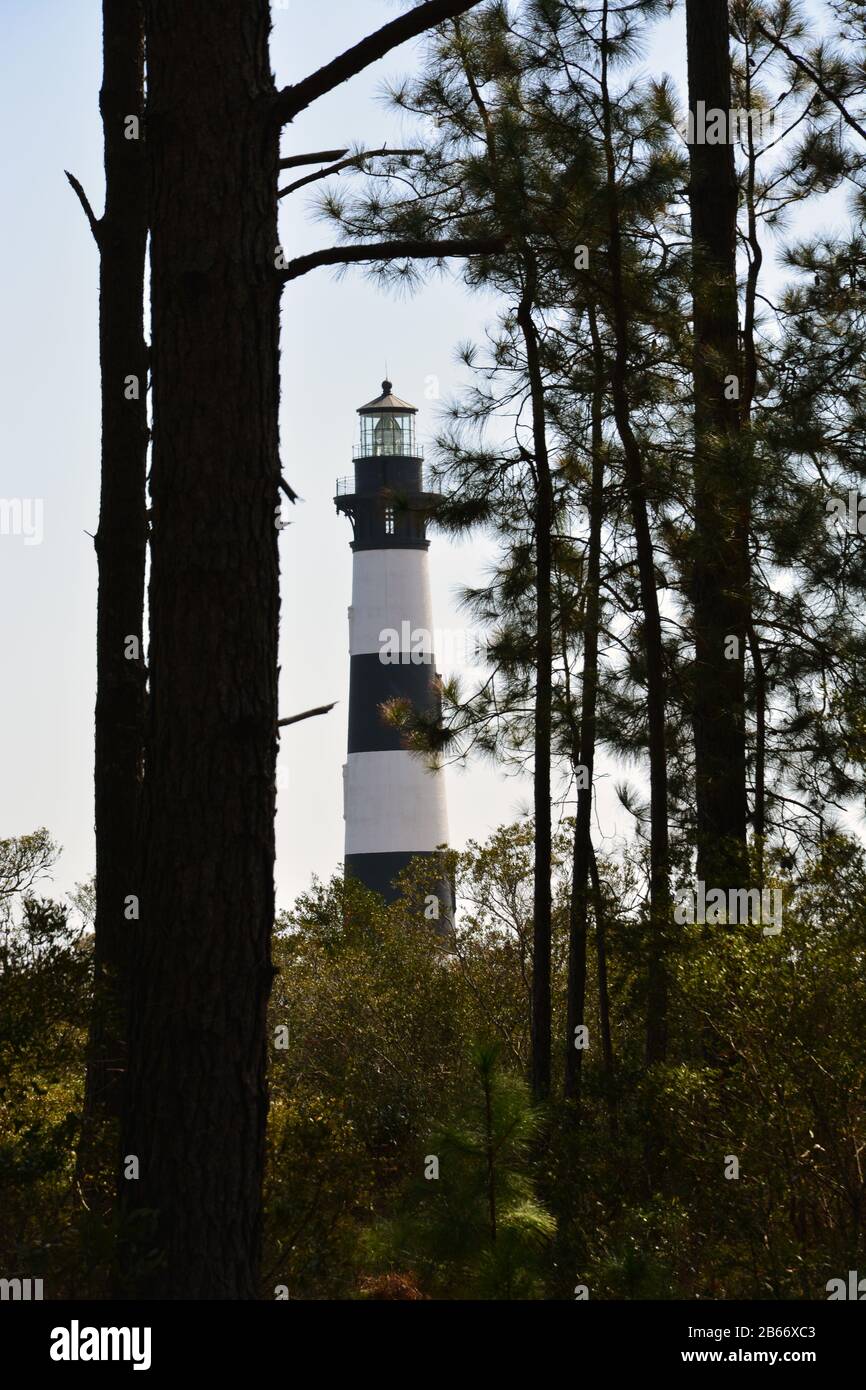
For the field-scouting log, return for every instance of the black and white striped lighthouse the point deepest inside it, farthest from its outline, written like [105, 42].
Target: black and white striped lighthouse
[394, 806]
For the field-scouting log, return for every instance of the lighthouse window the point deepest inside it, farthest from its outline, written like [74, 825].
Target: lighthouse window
[389, 521]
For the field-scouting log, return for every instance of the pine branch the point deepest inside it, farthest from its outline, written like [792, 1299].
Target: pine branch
[291, 100]
[85, 203]
[392, 251]
[354, 162]
[814, 76]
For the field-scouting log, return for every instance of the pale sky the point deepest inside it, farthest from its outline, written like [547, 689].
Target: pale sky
[337, 338]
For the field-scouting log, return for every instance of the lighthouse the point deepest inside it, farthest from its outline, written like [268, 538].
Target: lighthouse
[394, 804]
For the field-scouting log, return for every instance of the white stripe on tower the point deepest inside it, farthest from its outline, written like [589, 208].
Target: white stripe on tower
[389, 588]
[393, 804]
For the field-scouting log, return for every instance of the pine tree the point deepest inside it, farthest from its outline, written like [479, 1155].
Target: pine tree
[120, 542]
[203, 906]
[720, 565]
[473, 1223]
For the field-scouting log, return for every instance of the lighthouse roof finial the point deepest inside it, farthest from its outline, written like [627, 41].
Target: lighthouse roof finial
[387, 401]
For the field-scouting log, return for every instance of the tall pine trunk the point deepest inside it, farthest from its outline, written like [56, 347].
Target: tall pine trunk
[582, 858]
[604, 996]
[544, 506]
[120, 544]
[720, 573]
[197, 1093]
[750, 387]
[660, 898]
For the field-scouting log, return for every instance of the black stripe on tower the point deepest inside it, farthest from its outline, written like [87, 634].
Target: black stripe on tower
[379, 871]
[372, 683]
[388, 508]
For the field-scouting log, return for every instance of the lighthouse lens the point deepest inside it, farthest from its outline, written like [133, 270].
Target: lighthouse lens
[387, 434]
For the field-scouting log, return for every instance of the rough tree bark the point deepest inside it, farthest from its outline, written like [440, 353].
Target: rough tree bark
[120, 542]
[197, 1094]
[720, 570]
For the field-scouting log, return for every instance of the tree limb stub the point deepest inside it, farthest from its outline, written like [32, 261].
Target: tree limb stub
[85, 203]
[307, 714]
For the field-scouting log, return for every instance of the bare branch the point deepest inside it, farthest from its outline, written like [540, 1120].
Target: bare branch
[355, 161]
[307, 714]
[85, 203]
[393, 251]
[291, 100]
[293, 161]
